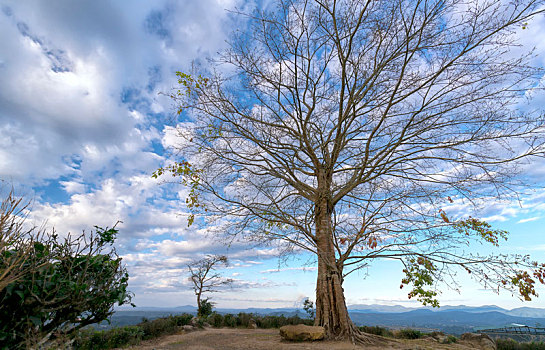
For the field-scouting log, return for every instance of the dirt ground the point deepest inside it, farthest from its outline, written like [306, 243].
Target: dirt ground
[265, 339]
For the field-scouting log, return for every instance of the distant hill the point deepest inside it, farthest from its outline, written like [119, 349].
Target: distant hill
[450, 319]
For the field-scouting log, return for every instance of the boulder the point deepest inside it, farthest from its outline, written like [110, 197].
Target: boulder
[188, 328]
[302, 332]
[479, 341]
[252, 324]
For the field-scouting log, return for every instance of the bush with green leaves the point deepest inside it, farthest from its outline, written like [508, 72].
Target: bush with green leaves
[243, 320]
[510, 344]
[408, 333]
[377, 330]
[70, 282]
[215, 320]
[89, 339]
[450, 339]
[158, 327]
[229, 320]
[206, 307]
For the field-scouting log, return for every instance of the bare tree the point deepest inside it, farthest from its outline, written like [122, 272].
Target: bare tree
[15, 236]
[353, 129]
[206, 279]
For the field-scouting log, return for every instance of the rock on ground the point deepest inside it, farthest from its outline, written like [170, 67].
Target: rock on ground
[189, 328]
[302, 332]
[482, 341]
[252, 324]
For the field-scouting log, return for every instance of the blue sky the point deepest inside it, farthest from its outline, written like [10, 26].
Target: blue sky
[83, 126]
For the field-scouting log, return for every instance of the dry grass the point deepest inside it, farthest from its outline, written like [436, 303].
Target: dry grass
[265, 339]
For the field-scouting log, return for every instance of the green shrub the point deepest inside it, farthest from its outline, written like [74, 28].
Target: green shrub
[113, 338]
[158, 327]
[267, 322]
[377, 330]
[408, 333]
[510, 344]
[450, 339]
[205, 308]
[279, 321]
[183, 319]
[299, 320]
[129, 335]
[68, 283]
[215, 320]
[243, 319]
[229, 321]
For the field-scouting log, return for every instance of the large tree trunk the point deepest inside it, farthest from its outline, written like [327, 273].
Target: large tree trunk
[331, 311]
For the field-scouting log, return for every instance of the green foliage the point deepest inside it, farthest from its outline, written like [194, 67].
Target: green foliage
[159, 327]
[183, 319]
[243, 320]
[215, 320]
[191, 85]
[70, 283]
[308, 306]
[229, 321]
[190, 176]
[510, 344]
[205, 308]
[279, 321]
[377, 330]
[408, 333]
[113, 338]
[89, 339]
[481, 228]
[450, 339]
[419, 272]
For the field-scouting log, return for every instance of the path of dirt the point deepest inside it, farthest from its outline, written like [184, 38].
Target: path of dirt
[266, 339]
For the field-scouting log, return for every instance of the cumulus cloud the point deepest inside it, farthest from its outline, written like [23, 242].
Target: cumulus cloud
[74, 74]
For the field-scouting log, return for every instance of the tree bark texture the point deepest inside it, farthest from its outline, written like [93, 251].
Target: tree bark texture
[331, 311]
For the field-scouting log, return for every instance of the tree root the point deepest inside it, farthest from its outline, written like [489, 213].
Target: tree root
[358, 337]
[361, 338]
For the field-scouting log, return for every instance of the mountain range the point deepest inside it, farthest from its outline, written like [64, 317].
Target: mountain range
[450, 319]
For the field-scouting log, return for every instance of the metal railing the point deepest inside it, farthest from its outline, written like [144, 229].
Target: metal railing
[515, 329]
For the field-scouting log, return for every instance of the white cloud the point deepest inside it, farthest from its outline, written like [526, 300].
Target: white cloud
[301, 268]
[529, 219]
[73, 187]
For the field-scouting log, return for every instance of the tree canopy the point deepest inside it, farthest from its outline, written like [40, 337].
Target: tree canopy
[360, 130]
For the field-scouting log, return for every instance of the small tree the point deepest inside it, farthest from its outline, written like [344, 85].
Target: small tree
[67, 284]
[205, 279]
